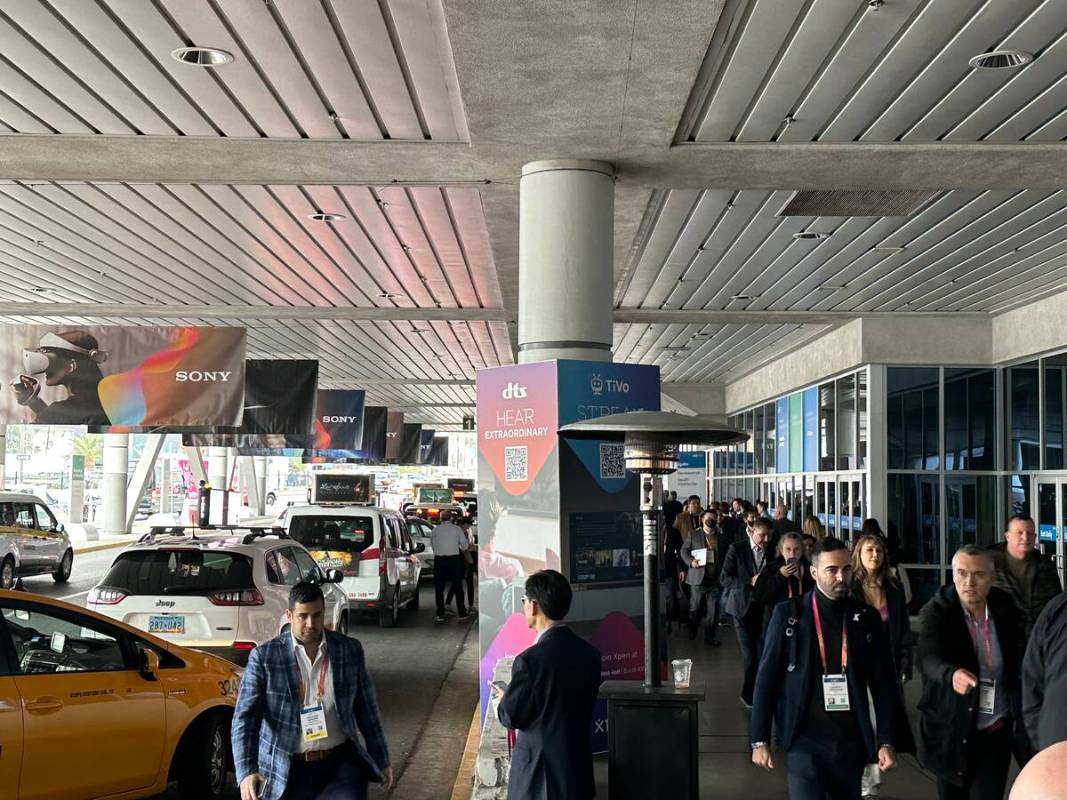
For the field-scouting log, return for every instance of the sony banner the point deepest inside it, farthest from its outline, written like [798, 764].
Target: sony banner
[394, 435]
[372, 450]
[122, 376]
[426, 436]
[410, 439]
[338, 419]
[438, 456]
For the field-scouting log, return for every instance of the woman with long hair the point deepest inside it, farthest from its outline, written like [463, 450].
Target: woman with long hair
[812, 527]
[874, 584]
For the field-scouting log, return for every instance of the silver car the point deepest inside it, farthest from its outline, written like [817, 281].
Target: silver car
[32, 541]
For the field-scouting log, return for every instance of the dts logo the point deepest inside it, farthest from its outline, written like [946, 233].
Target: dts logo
[513, 391]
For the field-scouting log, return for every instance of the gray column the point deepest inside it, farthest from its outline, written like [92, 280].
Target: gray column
[260, 466]
[566, 260]
[218, 469]
[3, 455]
[164, 485]
[116, 467]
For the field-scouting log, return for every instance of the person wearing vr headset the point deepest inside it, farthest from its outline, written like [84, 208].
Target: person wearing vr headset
[70, 359]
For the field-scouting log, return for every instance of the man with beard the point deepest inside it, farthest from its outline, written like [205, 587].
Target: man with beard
[823, 653]
[304, 700]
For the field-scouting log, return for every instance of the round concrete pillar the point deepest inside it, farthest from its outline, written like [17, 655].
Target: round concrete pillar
[116, 479]
[260, 465]
[218, 469]
[3, 454]
[566, 260]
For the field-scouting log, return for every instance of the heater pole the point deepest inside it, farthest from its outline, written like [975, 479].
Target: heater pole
[650, 491]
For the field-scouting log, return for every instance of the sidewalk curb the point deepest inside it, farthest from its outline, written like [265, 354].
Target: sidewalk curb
[464, 785]
[92, 548]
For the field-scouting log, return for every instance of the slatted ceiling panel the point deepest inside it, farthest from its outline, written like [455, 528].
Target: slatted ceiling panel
[409, 233]
[845, 72]
[974, 87]
[468, 216]
[50, 32]
[302, 69]
[1029, 274]
[677, 207]
[430, 205]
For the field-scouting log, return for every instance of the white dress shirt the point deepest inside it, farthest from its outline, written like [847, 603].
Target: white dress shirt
[309, 676]
[757, 555]
[448, 539]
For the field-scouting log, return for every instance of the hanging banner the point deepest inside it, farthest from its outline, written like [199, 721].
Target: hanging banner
[372, 449]
[426, 437]
[122, 376]
[394, 435]
[338, 419]
[438, 456]
[410, 439]
[279, 407]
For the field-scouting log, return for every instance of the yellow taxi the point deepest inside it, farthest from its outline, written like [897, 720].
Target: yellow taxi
[91, 708]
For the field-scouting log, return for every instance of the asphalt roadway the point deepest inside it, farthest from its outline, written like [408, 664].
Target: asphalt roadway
[425, 675]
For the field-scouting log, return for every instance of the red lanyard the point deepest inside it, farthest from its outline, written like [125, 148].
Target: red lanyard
[322, 677]
[822, 642]
[985, 635]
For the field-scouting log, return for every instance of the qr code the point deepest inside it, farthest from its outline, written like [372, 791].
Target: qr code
[515, 463]
[612, 464]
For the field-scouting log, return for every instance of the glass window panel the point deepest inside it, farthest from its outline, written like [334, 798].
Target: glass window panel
[931, 429]
[846, 422]
[1047, 524]
[759, 448]
[924, 585]
[826, 427]
[982, 419]
[895, 431]
[914, 517]
[970, 512]
[955, 420]
[1023, 405]
[831, 508]
[911, 398]
[746, 426]
[770, 442]
[1055, 368]
[861, 382]
[1019, 495]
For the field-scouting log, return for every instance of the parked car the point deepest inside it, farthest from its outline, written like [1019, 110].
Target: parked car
[373, 549]
[108, 711]
[223, 591]
[420, 534]
[32, 541]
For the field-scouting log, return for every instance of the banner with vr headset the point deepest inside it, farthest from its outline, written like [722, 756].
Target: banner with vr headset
[122, 376]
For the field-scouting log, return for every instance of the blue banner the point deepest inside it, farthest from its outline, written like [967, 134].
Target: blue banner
[693, 460]
[811, 430]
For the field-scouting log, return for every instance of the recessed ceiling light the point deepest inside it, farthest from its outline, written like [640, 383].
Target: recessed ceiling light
[42, 289]
[701, 335]
[742, 297]
[676, 349]
[809, 235]
[202, 56]
[888, 248]
[1001, 59]
[833, 287]
[388, 295]
[325, 216]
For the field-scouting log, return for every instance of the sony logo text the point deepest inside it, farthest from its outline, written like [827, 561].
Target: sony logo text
[199, 376]
[339, 419]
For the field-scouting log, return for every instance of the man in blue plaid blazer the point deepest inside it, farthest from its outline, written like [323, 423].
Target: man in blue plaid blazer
[305, 699]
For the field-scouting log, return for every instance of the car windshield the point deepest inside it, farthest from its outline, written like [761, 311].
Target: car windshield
[179, 572]
[346, 534]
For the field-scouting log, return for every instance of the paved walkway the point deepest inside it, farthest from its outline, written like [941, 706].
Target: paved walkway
[726, 772]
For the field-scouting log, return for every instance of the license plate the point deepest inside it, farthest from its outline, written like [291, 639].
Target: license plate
[166, 624]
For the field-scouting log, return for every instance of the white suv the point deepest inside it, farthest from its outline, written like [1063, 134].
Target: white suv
[222, 591]
[32, 541]
[373, 549]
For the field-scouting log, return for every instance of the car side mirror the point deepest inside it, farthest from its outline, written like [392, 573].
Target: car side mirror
[58, 528]
[419, 548]
[334, 576]
[149, 664]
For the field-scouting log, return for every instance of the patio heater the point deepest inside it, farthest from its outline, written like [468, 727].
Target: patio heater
[652, 729]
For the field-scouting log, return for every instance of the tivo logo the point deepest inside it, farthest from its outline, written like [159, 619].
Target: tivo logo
[513, 391]
[339, 419]
[196, 376]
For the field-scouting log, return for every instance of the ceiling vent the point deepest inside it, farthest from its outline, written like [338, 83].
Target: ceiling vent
[855, 203]
[1001, 59]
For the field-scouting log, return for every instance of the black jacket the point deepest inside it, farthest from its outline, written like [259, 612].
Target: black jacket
[772, 588]
[1044, 699]
[785, 671]
[736, 578]
[550, 700]
[945, 645]
[1042, 576]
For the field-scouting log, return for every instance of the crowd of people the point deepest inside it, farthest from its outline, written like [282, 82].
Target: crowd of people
[825, 634]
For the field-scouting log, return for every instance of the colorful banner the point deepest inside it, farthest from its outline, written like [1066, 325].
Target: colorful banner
[338, 419]
[123, 377]
[782, 432]
[372, 449]
[796, 433]
[811, 430]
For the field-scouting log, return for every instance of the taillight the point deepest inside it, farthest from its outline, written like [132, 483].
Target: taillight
[381, 554]
[105, 597]
[243, 597]
[244, 646]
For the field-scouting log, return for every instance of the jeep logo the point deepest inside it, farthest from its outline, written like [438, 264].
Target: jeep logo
[198, 376]
[164, 604]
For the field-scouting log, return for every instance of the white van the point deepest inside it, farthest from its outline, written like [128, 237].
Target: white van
[32, 541]
[373, 549]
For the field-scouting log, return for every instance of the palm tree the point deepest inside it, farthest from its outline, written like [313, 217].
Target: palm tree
[91, 446]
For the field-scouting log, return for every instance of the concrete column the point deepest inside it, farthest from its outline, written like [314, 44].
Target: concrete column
[116, 467]
[566, 260]
[218, 468]
[260, 466]
[3, 454]
[164, 485]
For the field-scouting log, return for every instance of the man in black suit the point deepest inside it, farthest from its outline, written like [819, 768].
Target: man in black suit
[550, 700]
[822, 655]
[744, 562]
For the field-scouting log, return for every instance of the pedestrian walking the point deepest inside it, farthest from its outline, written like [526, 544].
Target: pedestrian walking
[702, 556]
[741, 568]
[304, 701]
[1023, 572]
[1044, 700]
[449, 542]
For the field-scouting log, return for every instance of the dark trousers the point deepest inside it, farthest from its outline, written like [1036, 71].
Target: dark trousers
[468, 578]
[448, 570]
[708, 597]
[340, 777]
[750, 636]
[988, 758]
[820, 768]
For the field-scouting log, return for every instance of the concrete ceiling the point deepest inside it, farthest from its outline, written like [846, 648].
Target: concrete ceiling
[137, 189]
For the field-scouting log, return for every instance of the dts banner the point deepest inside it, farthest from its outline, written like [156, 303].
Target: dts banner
[122, 376]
